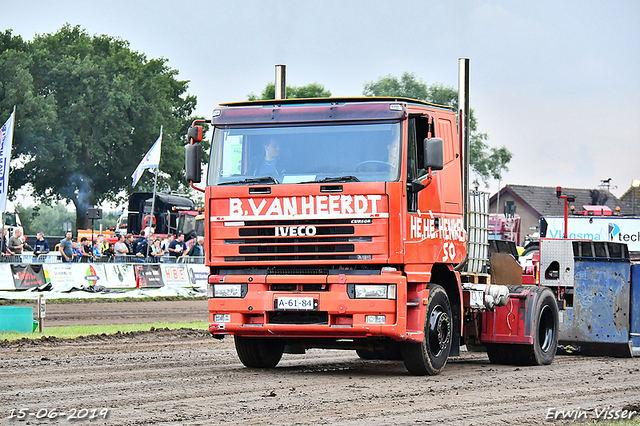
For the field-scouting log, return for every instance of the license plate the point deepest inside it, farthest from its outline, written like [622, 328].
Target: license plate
[295, 303]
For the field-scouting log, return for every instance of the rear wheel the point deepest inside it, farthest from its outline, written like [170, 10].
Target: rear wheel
[259, 352]
[430, 356]
[545, 336]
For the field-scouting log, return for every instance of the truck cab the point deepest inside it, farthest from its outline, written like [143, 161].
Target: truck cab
[331, 221]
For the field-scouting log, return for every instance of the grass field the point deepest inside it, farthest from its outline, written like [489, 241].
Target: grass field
[89, 330]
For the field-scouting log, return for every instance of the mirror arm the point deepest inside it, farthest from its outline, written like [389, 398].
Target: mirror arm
[195, 187]
[417, 185]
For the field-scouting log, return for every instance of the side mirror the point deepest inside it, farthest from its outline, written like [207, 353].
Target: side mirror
[195, 133]
[193, 162]
[433, 154]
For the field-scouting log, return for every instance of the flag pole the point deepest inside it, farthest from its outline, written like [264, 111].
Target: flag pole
[153, 202]
[6, 190]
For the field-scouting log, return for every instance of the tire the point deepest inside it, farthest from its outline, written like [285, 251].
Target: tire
[259, 352]
[545, 336]
[430, 356]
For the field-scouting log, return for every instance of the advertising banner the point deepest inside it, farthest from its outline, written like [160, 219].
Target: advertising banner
[6, 278]
[598, 228]
[199, 275]
[26, 276]
[119, 275]
[148, 276]
[175, 274]
[61, 275]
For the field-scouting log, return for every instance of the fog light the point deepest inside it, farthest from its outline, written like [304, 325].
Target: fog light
[374, 319]
[222, 318]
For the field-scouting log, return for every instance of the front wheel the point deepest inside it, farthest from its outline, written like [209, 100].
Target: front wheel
[259, 352]
[430, 356]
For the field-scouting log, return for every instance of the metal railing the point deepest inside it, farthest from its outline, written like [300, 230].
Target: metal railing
[55, 257]
[191, 259]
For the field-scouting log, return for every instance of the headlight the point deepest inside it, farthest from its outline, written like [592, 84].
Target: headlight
[227, 290]
[375, 291]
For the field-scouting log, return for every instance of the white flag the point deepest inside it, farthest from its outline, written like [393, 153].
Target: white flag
[150, 161]
[6, 137]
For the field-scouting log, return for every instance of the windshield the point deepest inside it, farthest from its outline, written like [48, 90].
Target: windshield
[321, 153]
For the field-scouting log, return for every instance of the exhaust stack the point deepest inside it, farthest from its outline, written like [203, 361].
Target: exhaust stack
[463, 124]
[281, 82]
[463, 134]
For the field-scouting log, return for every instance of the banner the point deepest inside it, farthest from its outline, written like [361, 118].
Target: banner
[598, 228]
[175, 274]
[6, 137]
[199, 275]
[26, 276]
[119, 275]
[150, 161]
[148, 276]
[6, 278]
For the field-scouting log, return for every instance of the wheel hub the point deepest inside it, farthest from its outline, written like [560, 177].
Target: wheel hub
[439, 330]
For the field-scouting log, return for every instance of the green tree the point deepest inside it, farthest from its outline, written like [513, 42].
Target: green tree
[87, 110]
[50, 219]
[486, 161]
[311, 90]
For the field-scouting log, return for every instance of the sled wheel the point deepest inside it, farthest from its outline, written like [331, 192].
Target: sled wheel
[545, 336]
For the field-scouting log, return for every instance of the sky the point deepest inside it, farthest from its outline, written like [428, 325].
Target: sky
[555, 82]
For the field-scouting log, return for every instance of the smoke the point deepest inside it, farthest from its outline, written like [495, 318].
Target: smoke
[79, 189]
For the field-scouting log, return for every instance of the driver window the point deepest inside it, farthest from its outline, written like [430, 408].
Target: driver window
[418, 131]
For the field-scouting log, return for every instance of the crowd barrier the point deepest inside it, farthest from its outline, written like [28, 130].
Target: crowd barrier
[123, 275]
[56, 258]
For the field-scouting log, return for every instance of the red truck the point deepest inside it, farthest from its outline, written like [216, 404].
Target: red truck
[342, 223]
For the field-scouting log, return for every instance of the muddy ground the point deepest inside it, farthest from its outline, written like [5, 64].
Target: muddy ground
[186, 377]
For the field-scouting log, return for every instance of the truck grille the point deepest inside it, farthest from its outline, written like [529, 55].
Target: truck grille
[300, 240]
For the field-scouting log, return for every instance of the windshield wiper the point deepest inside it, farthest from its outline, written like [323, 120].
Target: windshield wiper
[335, 179]
[264, 179]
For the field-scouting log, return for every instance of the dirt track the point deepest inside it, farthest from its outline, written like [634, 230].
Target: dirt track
[187, 377]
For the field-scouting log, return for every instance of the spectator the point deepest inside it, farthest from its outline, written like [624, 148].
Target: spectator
[96, 251]
[85, 247]
[121, 249]
[149, 231]
[78, 253]
[15, 242]
[166, 242]
[104, 244]
[134, 255]
[41, 245]
[156, 250]
[25, 244]
[109, 251]
[5, 250]
[142, 246]
[197, 250]
[66, 247]
[177, 246]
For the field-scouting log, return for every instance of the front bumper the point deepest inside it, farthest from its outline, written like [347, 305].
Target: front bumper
[334, 315]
